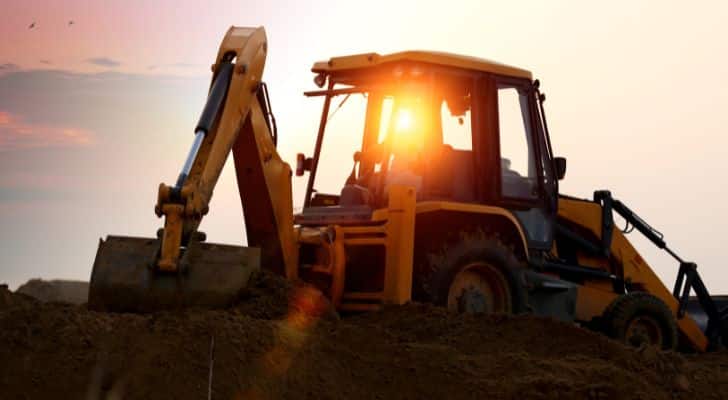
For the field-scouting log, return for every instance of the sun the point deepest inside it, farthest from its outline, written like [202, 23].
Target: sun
[404, 120]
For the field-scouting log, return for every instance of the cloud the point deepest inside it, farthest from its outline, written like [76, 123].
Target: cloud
[175, 66]
[8, 68]
[63, 134]
[103, 62]
[16, 134]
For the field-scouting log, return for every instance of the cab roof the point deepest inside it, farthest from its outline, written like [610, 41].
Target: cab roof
[369, 60]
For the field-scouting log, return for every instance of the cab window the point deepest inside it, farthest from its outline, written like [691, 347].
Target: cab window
[456, 124]
[519, 176]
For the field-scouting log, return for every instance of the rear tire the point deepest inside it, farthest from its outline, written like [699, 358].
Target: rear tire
[477, 274]
[639, 319]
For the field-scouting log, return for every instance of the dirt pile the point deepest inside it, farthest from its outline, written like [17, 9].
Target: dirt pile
[284, 342]
[62, 291]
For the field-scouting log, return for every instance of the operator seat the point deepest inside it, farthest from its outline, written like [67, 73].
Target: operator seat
[450, 176]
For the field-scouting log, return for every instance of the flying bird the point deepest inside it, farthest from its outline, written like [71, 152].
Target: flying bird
[70, 23]
[32, 25]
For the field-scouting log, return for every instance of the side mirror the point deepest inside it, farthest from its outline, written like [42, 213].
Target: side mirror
[303, 164]
[560, 163]
[320, 80]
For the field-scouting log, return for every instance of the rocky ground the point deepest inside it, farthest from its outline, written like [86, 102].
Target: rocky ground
[283, 341]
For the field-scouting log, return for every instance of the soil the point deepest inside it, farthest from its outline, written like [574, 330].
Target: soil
[284, 341]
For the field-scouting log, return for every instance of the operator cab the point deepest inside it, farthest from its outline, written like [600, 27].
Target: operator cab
[457, 129]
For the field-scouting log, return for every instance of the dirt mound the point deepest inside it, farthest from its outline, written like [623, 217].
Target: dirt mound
[284, 342]
[62, 291]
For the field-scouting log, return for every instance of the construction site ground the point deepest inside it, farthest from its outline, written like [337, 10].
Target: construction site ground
[284, 341]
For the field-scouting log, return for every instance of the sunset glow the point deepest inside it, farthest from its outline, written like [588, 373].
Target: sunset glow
[15, 134]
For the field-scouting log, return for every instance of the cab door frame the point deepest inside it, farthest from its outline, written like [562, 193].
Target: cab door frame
[537, 215]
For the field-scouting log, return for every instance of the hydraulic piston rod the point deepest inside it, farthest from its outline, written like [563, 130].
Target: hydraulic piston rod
[187, 167]
[208, 117]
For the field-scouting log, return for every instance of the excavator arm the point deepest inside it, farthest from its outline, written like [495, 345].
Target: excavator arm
[178, 269]
[233, 121]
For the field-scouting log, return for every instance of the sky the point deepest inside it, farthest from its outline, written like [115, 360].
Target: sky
[95, 114]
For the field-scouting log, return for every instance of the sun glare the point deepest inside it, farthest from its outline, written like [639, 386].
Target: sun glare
[404, 120]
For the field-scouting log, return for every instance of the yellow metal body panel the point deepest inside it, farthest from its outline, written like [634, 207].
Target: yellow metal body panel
[592, 300]
[400, 245]
[396, 234]
[369, 60]
[255, 151]
[635, 270]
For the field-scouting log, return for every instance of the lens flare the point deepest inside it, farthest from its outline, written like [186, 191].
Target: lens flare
[306, 307]
[404, 120]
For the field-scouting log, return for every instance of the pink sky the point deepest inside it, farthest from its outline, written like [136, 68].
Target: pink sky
[635, 89]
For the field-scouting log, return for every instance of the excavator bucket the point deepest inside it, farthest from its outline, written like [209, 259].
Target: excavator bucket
[209, 276]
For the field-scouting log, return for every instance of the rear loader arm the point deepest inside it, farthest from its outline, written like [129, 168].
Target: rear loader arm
[234, 120]
[622, 262]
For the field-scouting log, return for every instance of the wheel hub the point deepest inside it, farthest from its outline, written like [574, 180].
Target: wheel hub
[479, 288]
[473, 301]
[644, 330]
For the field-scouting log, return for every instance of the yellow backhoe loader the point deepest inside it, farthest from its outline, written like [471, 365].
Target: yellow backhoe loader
[452, 199]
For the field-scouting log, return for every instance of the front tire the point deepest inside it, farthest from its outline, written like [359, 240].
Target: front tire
[640, 319]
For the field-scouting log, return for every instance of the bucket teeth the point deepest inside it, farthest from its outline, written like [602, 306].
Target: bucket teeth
[209, 276]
